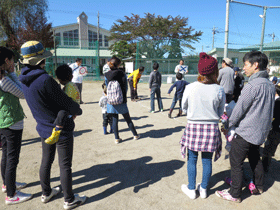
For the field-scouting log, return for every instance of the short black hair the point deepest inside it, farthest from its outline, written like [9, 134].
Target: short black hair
[155, 66]
[256, 56]
[64, 72]
[141, 68]
[277, 88]
[79, 59]
[182, 60]
[179, 76]
[5, 53]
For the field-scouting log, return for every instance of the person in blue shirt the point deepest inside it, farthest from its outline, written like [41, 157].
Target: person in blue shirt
[180, 87]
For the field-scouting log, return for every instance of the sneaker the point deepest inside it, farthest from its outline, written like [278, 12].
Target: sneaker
[169, 115]
[117, 141]
[253, 188]
[76, 202]
[54, 192]
[161, 110]
[19, 186]
[228, 180]
[224, 194]
[136, 137]
[152, 111]
[19, 197]
[190, 193]
[54, 137]
[202, 192]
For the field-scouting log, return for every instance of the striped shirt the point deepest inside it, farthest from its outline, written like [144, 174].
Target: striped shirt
[12, 85]
[253, 112]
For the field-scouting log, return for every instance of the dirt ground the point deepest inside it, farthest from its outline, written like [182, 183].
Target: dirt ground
[135, 174]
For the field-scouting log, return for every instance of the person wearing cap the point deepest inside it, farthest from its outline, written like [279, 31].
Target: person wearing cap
[252, 117]
[11, 128]
[226, 78]
[204, 102]
[77, 77]
[274, 80]
[45, 99]
[238, 83]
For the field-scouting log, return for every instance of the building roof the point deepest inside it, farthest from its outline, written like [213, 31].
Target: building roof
[271, 46]
[221, 49]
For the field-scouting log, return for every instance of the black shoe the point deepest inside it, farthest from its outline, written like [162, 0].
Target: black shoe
[169, 115]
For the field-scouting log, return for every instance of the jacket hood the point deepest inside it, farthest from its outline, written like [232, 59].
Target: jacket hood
[114, 74]
[28, 75]
[259, 74]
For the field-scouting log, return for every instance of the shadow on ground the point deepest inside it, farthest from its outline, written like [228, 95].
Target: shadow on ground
[161, 133]
[78, 133]
[30, 141]
[137, 173]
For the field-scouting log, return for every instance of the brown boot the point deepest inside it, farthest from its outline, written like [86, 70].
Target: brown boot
[180, 113]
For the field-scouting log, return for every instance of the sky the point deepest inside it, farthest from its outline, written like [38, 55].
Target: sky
[245, 25]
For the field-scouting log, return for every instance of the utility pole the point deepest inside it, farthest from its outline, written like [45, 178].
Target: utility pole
[214, 32]
[54, 45]
[263, 27]
[272, 35]
[98, 41]
[226, 31]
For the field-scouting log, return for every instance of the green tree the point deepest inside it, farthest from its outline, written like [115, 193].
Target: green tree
[123, 49]
[155, 33]
[12, 13]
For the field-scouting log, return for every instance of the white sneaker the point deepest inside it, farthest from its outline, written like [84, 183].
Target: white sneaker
[76, 202]
[117, 141]
[136, 137]
[19, 197]
[188, 192]
[202, 192]
[19, 186]
[54, 192]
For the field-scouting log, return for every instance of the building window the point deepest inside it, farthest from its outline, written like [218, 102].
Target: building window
[71, 38]
[234, 60]
[57, 39]
[92, 38]
[220, 60]
[106, 43]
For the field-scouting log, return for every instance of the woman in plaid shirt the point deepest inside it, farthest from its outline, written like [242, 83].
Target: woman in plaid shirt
[204, 102]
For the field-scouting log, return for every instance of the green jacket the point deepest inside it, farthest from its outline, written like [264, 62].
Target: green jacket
[11, 111]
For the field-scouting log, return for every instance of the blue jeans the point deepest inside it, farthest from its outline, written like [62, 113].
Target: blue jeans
[175, 99]
[156, 90]
[207, 168]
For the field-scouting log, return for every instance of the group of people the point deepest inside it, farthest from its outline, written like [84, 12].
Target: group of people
[55, 109]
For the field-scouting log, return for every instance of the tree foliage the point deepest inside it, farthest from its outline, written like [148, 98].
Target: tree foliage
[35, 28]
[13, 12]
[123, 49]
[156, 34]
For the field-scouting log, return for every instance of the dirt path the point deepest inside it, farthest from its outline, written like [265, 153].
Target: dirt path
[143, 174]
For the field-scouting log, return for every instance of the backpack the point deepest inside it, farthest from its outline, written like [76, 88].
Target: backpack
[114, 93]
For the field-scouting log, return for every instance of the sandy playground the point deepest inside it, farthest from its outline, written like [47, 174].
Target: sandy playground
[143, 174]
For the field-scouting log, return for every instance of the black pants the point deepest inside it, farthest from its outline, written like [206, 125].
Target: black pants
[65, 154]
[239, 151]
[61, 118]
[228, 98]
[11, 145]
[133, 93]
[107, 119]
[129, 122]
[80, 87]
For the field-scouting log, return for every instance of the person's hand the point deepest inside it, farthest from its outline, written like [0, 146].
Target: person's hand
[135, 88]
[150, 90]
[225, 131]
[168, 94]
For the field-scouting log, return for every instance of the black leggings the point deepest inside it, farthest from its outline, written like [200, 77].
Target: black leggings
[128, 120]
[11, 145]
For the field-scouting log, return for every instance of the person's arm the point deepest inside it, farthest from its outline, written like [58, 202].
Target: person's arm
[101, 101]
[185, 100]
[135, 80]
[10, 86]
[222, 97]
[151, 80]
[160, 80]
[243, 104]
[58, 98]
[220, 76]
[171, 88]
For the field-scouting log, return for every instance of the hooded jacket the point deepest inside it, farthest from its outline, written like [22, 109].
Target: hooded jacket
[45, 99]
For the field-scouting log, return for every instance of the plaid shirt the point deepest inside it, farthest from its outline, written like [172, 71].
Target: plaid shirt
[203, 138]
